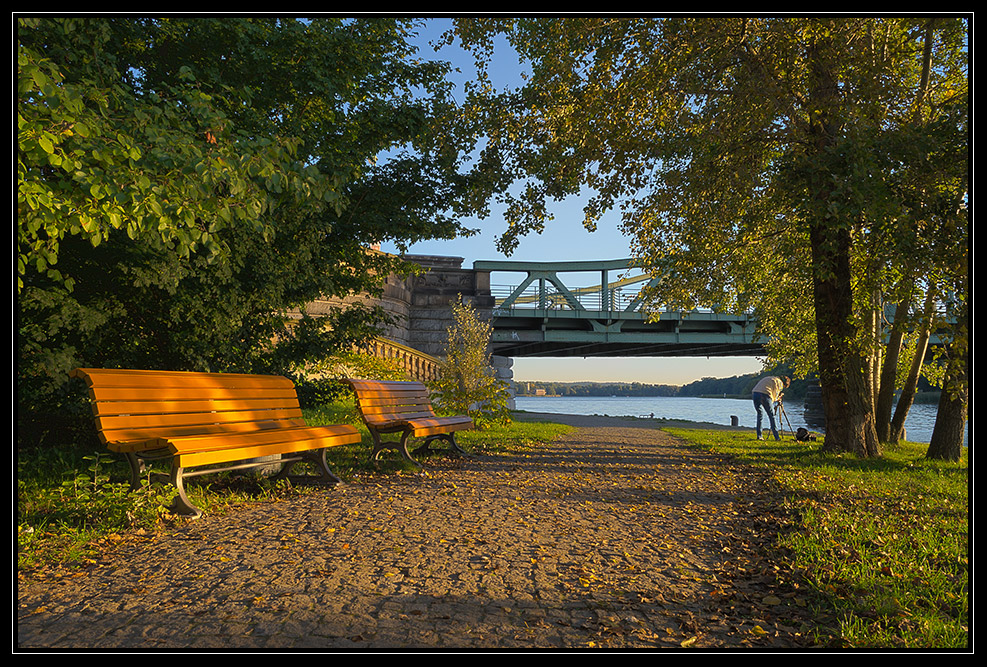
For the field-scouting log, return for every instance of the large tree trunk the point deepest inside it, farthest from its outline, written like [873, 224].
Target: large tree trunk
[947, 435]
[843, 368]
[951, 418]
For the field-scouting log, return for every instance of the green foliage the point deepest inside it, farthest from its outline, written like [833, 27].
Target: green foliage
[320, 383]
[64, 502]
[95, 155]
[187, 185]
[467, 384]
[797, 168]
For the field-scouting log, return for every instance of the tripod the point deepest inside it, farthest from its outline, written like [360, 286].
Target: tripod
[780, 410]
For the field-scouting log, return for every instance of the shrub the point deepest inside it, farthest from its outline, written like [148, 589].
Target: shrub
[467, 383]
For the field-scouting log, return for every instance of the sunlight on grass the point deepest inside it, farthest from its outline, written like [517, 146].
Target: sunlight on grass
[885, 541]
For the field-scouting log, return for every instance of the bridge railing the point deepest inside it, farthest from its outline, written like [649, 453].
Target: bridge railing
[549, 286]
[418, 365]
[618, 298]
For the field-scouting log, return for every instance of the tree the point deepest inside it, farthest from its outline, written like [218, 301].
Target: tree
[947, 435]
[951, 417]
[96, 155]
[764, 163]
[466, 383]
[186, 184]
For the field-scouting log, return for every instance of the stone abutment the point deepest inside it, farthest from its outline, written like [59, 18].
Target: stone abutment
[421, 309]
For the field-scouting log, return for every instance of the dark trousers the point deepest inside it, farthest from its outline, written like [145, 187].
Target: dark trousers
[763, 402]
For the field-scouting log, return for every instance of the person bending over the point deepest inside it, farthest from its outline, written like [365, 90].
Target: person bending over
[766, 393]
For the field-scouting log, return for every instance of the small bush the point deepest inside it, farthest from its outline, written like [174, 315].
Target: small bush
[467, 384]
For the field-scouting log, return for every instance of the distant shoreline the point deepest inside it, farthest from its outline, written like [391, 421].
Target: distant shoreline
[603, 420]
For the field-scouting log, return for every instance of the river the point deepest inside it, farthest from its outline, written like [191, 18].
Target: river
[918, 425]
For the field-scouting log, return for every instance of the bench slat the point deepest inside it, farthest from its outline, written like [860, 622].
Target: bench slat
[203, 450]
[397, 416]
[397, 409]
[396, 392]
[186, 380]
[207, 442]
[371, 399]
[425, 430]
[136, 440]
[104, 408]
[152, 421]
[177, 393]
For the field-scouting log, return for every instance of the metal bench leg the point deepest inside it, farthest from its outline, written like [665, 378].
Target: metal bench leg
[402, 447]
[451, 437]
[455, 445]
[181, 504]
[378, 446]
[318, 458]
[448, 437]
[136, 470]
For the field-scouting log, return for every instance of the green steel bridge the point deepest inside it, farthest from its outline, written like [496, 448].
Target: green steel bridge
[593, 309]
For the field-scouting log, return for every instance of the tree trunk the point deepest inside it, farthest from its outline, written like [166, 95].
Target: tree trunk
[889, 371]
[843, 369]
[874, 356]
[907, 397]
[847, 402]
[947, 434]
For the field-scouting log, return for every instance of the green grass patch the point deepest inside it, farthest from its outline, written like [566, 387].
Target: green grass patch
[884, 542]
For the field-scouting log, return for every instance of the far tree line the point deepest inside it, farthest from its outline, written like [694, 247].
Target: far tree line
[737, 386]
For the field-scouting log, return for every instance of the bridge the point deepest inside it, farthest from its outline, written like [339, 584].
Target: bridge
[547, 309]
[593, 309]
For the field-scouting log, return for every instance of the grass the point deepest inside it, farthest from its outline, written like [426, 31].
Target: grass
[883, 542]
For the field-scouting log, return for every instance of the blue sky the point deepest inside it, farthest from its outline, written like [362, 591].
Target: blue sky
[565, 239]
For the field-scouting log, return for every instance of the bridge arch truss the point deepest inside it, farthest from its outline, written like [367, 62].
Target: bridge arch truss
[546, 310]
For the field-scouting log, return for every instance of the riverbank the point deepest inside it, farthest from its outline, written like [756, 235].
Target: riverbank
[723, 411]
[644, 421]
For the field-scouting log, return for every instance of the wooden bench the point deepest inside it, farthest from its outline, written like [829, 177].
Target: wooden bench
[206, 419]
[405, 408]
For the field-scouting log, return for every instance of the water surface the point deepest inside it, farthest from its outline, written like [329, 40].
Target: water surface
[918, 425]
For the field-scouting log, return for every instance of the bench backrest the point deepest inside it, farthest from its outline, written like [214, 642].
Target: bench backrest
[381, 402]
[133, 407]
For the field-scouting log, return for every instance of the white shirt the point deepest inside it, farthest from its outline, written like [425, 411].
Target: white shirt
[772, 386]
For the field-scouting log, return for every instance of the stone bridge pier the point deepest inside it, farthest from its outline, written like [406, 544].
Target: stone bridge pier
[429, 299]
[421, 306]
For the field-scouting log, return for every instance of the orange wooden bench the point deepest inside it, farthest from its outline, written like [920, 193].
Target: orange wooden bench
[404, 407]
[206, 419]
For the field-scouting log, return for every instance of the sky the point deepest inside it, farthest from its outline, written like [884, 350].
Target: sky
[565, 239]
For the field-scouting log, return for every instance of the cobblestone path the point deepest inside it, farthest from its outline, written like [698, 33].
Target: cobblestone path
[615, 536]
